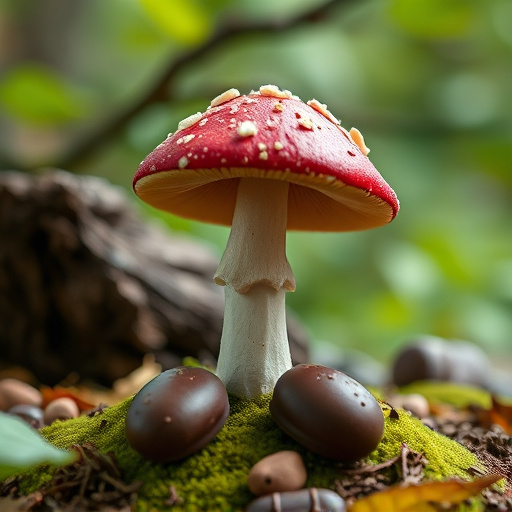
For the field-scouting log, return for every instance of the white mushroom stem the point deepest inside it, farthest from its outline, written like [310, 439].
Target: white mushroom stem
[254, 350]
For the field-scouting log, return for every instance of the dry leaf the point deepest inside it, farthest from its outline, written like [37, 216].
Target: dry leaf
[499, 414]
[50, 394]
[132, 383]
[88, 398]
[126, 386]
[420, 498]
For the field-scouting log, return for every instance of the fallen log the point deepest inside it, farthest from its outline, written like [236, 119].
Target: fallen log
[87, 286]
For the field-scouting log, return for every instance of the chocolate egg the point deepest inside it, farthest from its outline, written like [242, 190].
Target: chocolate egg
[328, 412]
[15, 392]
[176, 414]
[30, 413]
[305, 500]
[63, 408]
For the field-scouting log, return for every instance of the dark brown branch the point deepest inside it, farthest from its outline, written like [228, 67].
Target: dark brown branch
[160, 90]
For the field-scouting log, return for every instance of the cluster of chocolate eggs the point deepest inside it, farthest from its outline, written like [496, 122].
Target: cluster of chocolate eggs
[182, 410]
[20, 399]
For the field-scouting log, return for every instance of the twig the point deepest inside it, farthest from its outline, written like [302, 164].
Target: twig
[160, 90]
[373, 468]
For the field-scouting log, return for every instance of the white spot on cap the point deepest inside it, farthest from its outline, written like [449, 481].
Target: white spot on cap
[203, 121]
[278, 145]
[189, 121]
[306, 122]
[263, 155]
[185, 139]
[183, 162]
[262, 146]
[224, 97]
[274, 91]
[358, 139]
[322, 108]
[247, 129]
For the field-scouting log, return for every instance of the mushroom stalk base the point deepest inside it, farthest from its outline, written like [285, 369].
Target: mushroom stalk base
[254, 349]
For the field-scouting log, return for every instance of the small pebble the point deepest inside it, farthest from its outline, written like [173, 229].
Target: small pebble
[414, 402]
[15, 392]
[32, 414]
[305, 500]
[278, 472]
[433, 358]
[63, 408]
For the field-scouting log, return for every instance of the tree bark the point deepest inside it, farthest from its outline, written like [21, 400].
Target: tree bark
[87, 287]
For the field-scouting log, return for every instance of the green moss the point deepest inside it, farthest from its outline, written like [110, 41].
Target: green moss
[446, 458]
[215, 478]
[458, 395]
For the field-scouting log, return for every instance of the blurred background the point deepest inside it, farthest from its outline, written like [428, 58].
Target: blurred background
[92, 86]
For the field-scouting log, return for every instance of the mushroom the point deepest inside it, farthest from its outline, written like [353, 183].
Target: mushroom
[263, 163]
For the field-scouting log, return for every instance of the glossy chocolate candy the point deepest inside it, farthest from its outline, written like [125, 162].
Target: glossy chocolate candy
[176, 414]
[328, 412]
[305, 500]
[32, 414]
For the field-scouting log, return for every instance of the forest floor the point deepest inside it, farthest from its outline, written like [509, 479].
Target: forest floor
[95, 482]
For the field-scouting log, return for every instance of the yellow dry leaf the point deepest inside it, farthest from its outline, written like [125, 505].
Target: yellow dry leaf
[421, 497]
[499, 413]
[126, 386]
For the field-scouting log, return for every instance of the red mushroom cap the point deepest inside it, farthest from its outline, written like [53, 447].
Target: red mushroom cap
[194, 173]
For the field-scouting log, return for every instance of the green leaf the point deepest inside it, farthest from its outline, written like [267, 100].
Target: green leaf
[185, 21]
[433, 19]
[21, 448]
[36, 94]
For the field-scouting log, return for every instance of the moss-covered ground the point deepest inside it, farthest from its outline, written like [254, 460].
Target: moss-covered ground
[214, 479]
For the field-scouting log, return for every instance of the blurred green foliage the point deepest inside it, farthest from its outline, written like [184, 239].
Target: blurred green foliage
[427, 82]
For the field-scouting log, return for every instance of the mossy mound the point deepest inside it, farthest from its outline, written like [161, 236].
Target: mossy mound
[215, 478]
[458, 395]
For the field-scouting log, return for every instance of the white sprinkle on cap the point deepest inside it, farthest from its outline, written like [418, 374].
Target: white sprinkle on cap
[306, 122]
[189, 121]
[358, 139]
[225, 96]
[247, 129]
[274, 91]
[322, 108]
